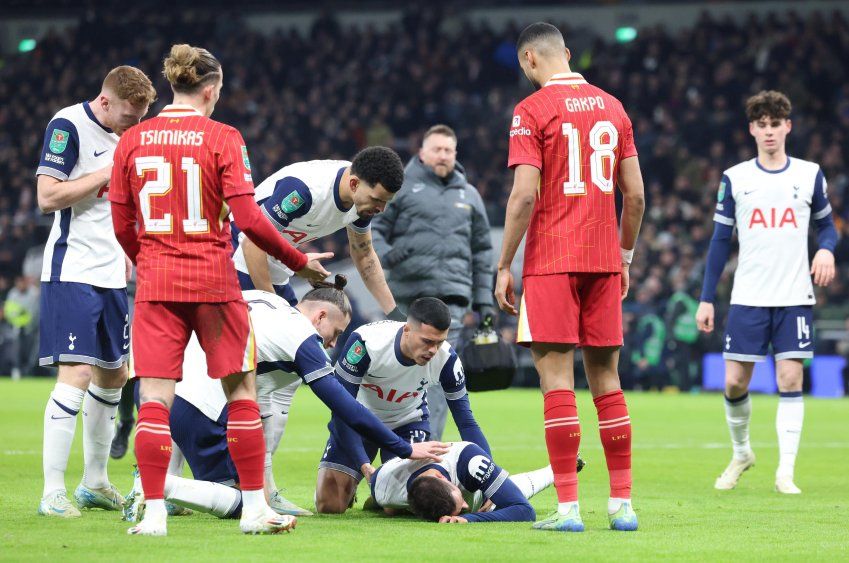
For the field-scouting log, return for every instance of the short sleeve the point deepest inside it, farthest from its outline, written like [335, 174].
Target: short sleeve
[525, 139]
[291, 199]
[354, 362]
[477, 472]
[311, 360]
[234, 166]
[820, 207]
[724, 203]
[61, 149]
[452, 379]
[119, 187]
[362, 225]
[627, 148]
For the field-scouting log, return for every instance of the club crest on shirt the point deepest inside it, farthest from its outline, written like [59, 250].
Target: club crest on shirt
[59, 141]
[292, 202]
[517, 120]
[245, 158]
[355, 352]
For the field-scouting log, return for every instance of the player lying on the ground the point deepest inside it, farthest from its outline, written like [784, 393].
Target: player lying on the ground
[290, 344]
[465, 482]
[388, 366]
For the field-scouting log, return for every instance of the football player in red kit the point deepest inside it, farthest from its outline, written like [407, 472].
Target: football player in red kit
[571, 144]
[176, 177]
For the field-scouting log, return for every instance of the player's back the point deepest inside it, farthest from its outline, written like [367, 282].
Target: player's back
[576, 134]
[180, 167]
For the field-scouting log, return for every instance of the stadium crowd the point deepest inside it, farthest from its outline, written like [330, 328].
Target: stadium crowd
[337, 89]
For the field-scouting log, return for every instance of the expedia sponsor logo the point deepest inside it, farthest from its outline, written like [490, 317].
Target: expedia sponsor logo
[48, 157]
[522, 131]
[481, 468]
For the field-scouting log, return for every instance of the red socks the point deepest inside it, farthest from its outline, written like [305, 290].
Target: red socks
[563, 437]
[614, 426]
[246, 443]
[153, 448]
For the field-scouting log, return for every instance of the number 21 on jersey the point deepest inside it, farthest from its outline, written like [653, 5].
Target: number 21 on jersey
[160, 185]
[603, 139]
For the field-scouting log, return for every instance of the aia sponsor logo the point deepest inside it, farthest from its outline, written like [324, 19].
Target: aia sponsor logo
[390, 395]
[772, 218]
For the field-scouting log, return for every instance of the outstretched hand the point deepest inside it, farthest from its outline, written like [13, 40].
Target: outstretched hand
[429, 450]
[314, 271]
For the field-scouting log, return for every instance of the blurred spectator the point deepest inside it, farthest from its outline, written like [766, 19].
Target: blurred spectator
[21, 312]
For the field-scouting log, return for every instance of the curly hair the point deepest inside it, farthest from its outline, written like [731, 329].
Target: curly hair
[379, 165]
[769, 104]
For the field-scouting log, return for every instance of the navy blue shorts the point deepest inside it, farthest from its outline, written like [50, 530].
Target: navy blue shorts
[336, 458]
[203, 443]
[750, 331]
[285, 291]
[81, 323]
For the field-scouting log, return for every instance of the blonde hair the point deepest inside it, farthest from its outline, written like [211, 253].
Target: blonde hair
[131, 84]
[189, 68]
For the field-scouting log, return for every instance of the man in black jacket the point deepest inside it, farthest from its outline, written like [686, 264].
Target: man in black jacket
[433, 240]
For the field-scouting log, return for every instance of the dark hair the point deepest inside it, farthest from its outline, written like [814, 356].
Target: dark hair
[539, 32]
[333, 293]
[769, 104]
[189, 68]
[379, 165]
[440, 129]
[430, 498]
[430, 311]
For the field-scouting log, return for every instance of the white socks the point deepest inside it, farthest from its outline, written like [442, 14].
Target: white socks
[211, 498]
[563, 508]
[788, 426]
[532, 482]
[177, 462]
[614, 504]
[60, 423]
[738, 412]
[253, 501]
[100, 408]
[274, 412]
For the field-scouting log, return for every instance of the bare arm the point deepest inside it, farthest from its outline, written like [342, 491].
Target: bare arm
[55, 194]
[633, 204]
[518, 217]
[368, 265]
[257, 262]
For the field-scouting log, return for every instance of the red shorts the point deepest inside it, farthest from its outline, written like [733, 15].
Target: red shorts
[161, 331]
[576, 308]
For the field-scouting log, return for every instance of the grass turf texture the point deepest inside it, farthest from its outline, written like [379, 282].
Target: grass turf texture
[680, 446]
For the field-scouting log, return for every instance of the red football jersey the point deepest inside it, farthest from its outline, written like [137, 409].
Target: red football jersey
[177, 169]
[576, 134]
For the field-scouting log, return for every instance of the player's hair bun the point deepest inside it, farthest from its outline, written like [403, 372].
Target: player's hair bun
[180, 65]
[188, 68]
[339, 283]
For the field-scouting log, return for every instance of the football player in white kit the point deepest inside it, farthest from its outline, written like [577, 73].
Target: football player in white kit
[290, 343]
[771, 200]
[307, 201]
[466, 486]
[388, 366]
[84, 325]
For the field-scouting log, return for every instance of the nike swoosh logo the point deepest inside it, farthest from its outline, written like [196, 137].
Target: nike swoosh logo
[263, 417]
[751, 192]
[96, 154]
[417, 190]
[805, 345]
[54, 417]
[125, 346]
[111, 418]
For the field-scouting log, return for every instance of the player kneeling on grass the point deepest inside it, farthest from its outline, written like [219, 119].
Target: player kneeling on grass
[388, 366]
[290, 344]
[465, 482]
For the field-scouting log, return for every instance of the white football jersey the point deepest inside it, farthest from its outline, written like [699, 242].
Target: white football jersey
[772, 212]
[477, 477]
[302, 201]
[82, 246]
[392, 387]
[288, 348]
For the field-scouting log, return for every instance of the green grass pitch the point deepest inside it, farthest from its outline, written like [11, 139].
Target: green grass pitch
[680, 446]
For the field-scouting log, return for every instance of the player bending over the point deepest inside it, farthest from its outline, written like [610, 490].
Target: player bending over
[84, 325]
[465, 482]
[291, 344]
[771, 200]
[307, 201]
[571, 144]
[388, 366]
